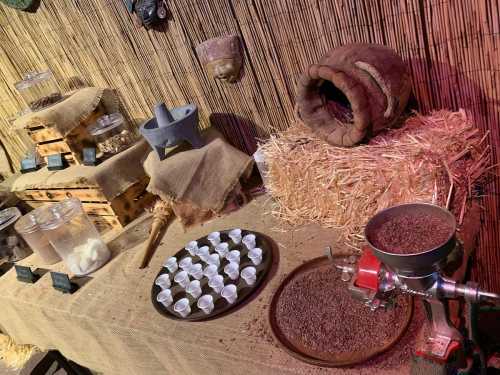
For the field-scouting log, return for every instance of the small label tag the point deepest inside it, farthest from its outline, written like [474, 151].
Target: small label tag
[25, 275]
[89, 156]
[61, 282]
[55, 162]
[29, 164]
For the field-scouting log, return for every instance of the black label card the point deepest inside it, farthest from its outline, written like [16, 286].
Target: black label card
[89, 156]
[56, 162]
[61, 282]
[25, 275]
[29, 164]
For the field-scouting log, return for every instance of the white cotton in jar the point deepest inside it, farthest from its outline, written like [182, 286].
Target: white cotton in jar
[88, 256]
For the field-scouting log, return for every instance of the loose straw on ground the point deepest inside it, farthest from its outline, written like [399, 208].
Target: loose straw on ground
[436, 158]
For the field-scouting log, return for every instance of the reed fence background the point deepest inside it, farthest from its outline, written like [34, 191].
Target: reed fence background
[452, 49]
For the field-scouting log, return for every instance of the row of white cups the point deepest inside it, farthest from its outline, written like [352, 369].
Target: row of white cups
[210, 271]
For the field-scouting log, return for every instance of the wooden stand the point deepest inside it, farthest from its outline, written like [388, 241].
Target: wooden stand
[105, 214]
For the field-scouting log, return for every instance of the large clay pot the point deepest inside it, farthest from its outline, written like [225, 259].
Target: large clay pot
[354, 91]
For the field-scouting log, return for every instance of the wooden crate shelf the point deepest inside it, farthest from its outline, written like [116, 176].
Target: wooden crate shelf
[105, 214]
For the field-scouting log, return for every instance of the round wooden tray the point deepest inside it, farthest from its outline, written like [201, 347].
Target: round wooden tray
[220, 304]
[308, 356]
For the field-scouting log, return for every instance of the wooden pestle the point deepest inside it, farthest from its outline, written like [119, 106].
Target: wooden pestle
[161, 213]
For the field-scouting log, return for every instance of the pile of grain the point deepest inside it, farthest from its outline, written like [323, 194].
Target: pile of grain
[436, 158]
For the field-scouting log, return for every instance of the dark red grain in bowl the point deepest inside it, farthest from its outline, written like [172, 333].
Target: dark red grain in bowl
[410, 229]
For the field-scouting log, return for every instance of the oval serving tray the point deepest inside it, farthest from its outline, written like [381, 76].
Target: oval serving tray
[304, 354]
[220, 304]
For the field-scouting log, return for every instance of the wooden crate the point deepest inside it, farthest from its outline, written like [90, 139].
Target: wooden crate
[105, 214]
[49, 141]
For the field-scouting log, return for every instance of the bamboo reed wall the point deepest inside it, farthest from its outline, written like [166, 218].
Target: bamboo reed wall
[451, 47]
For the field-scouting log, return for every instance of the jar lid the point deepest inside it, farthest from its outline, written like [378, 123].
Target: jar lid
[30, 222]
[106, 123]
[8, 216]
[32, 79]
[60, 213]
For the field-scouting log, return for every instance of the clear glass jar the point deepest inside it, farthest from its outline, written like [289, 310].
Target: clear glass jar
[111, 134]
[28, 226]
[12, 245]
[75, 237]
[39, 90]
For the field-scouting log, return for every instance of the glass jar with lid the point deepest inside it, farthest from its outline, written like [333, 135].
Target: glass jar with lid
[28, 226]
[39, 90]
[12, 245]
[74, 237]
[111, 134]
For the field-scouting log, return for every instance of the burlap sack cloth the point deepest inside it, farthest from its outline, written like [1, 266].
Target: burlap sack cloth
[65, 115]
[198, 180]
[113, 176]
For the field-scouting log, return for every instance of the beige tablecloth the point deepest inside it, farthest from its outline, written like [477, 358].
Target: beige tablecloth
[111, 326]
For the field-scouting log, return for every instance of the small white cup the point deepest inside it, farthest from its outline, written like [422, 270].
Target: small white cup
[192, 248]
[206, 303]
[222, 249]
[210, 271]
[203, 253]
[249, 241]
[163, 281]
[171, 264]
[214, 238]
[194, 288]
[196, 270]
[216, 283]
[255, 255]
[232, 270]
[233, 256]
[230, 293]
[185, 263]
[249, 274]
[213, 259]
[182, 278]
[235, 235]
[165, 297]
[182, 307]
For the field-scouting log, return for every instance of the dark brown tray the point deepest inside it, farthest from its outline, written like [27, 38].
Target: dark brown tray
[220, 304]
[334, 361]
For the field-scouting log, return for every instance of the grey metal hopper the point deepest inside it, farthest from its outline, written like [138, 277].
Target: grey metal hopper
[419, 264]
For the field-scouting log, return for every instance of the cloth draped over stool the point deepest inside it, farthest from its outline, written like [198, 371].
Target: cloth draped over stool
[198, 180]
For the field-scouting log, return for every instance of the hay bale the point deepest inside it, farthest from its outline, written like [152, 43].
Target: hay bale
[436, 158]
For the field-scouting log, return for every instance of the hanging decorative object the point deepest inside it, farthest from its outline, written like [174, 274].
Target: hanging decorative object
[148, 12]
[25, 5]
[222, 57]
[353, 92]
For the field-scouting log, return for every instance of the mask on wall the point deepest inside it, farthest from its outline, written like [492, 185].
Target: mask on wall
[221, 57]
[148, 12]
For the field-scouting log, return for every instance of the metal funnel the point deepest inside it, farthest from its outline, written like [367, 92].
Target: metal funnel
[419, 264]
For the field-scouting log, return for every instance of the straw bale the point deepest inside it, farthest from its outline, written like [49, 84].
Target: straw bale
[437, 159]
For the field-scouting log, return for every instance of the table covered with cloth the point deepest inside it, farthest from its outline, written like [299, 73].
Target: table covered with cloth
[111, 326]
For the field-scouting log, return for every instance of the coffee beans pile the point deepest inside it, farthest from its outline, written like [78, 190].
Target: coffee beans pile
[316, 311]
[411, 233]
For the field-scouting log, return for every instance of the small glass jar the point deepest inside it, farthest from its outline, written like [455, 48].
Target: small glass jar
[39, 90]
[12, 245]
[28, 226]
[75, 237]
[111, 134]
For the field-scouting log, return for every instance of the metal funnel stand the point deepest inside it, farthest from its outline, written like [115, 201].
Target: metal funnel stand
[171, 127]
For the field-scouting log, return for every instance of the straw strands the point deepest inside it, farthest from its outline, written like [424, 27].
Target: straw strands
[13, 355]
[437, 159]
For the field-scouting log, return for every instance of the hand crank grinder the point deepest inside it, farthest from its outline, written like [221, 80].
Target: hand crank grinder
[379, 274]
